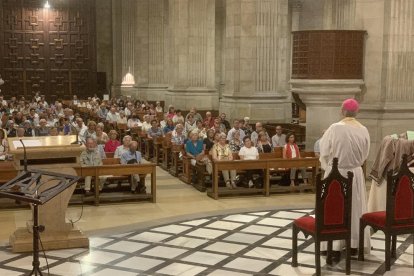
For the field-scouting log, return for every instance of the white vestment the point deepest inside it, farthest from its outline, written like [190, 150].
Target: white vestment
[349, 141]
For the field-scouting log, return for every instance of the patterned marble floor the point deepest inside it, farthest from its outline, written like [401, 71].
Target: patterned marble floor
[256, 243]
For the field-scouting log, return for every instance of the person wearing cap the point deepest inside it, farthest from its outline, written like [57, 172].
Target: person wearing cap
[349, 141]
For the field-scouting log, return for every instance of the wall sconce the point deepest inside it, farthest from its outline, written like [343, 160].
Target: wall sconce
[47, 5]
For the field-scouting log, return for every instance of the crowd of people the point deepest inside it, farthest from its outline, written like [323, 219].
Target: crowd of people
[210, 135]
[202, 136]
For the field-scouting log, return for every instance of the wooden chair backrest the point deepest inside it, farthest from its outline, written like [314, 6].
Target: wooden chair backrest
[278, 152]
[400, 197]
[333, 201]
[177, 148]
[304, 154]
[267, 155]
[122, 127]
[109, 154]
[111, 161]
[167, 140]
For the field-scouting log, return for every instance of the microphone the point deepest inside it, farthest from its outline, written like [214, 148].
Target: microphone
[77, 137]
[24, 155]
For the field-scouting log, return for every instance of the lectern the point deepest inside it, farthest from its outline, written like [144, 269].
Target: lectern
[37, 188]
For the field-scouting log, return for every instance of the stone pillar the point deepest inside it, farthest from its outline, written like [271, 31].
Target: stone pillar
[123, 33]
[151, 51]
[323, 99]
[339, 14]
[117, 47]
[192, 54]
[394, 103]
[104, 47]
[296, 11]
[257, 67]
[128, 45]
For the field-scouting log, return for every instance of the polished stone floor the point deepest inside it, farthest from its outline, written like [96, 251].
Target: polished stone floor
[187, 233]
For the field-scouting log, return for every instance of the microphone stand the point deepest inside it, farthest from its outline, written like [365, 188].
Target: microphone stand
[77, 137]
[24, 156]
[37, 229]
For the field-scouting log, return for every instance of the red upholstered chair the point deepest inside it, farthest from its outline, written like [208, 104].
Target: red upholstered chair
[398, 218]
[332, 219]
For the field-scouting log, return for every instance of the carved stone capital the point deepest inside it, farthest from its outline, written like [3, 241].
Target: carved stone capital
[326, 92]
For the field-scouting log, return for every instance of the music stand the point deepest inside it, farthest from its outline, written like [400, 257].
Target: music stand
[27, 188]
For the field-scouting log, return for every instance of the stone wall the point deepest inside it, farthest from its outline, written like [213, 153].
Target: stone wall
[104, 38]
[387, 101]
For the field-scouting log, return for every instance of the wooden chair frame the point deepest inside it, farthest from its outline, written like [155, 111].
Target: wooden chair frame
[324, 232]
[392, 227]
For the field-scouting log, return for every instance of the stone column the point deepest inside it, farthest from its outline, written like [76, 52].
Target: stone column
[257, 63]
[123, 29]
[151, 51]
[128, 45]
[396, 108]
[192, 54]
[339, 14]
[296, 11]
[117, 46]
[323, 99]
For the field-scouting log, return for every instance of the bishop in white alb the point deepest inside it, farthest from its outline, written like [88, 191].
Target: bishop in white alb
[349, 141]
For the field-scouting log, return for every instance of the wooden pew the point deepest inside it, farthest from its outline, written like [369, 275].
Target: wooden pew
[7, 171]
[121, 129]
[120, 178]
[157, 149]
[177, 164]
[148, 145]
[120, 170]
[166, 151]
[201, 169]
[263, 164]
[187, 169]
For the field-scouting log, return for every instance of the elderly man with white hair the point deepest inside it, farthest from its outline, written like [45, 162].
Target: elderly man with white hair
[42, 130]
[91, 157]
[146, 125]
[113, 116]
[126, 141]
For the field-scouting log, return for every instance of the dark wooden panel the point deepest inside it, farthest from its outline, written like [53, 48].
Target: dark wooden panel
[51, 51]
[335, 54]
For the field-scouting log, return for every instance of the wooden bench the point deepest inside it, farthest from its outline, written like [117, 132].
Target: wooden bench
[177, 164]
[264, 164]
[122, 130]
[166, 151]
[148, 145]
[7, 171]
[120, 170]
[157, 149]
[120, 178]
[187, 170]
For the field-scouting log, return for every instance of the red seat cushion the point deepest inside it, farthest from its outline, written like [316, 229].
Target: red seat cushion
[375, 218]
[379, 219]
[307, 223]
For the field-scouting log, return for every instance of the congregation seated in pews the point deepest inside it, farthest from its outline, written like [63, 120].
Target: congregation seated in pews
[185, 143]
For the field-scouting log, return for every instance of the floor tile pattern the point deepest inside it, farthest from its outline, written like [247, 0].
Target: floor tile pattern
[240, 244]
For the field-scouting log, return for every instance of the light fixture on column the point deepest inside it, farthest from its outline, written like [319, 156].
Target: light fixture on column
[47, 5]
